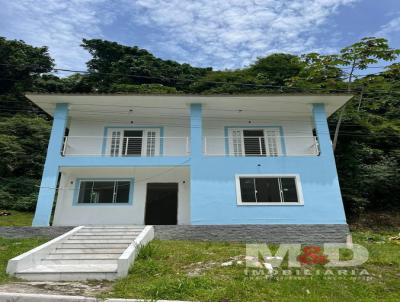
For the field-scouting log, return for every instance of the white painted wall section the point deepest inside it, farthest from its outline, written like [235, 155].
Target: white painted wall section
[68, 213]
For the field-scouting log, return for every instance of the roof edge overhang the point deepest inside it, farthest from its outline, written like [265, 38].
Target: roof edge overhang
[284, 101]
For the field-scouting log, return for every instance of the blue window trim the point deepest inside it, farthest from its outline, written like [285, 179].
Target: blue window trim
[106, 128]
[226, 132]
[78, 185]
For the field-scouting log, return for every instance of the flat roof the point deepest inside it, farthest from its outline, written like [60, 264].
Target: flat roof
[177, 104]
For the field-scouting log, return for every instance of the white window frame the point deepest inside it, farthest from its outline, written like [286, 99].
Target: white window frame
[298, 189]
[233, 137]
[144, 152]
[114, 193]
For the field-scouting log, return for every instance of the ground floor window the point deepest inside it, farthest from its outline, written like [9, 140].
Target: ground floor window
[265, 189]
[104, 191]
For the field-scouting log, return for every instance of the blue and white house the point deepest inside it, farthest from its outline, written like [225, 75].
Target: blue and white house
[189, 160]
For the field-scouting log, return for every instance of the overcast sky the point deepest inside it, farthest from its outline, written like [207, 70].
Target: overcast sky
[221, 34]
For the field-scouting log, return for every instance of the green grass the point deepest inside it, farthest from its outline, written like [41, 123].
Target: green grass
[192, 271]
[184, 270]
[9, 248]
[17, 219]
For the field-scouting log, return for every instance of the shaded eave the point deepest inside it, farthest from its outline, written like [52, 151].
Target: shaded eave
[177, 104]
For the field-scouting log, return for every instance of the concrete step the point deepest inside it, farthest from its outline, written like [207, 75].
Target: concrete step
[94, 240]
[111, 229]
[93, 245]
[88, 268]
[69, 272]
[102, 237]
[58, 256]
[130, 233]
[126, 232]
[93, 251]
[99, 262]
[84, 253]
[112, 226]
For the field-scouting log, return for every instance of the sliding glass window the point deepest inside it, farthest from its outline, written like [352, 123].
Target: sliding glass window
[268, 190]
[104, 191]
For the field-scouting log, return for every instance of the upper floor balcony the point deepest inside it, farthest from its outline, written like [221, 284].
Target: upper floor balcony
[149, 143]
[260, 143]
[127, 143]
[171, 128]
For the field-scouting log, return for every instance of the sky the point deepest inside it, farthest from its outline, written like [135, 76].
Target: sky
[224, 34]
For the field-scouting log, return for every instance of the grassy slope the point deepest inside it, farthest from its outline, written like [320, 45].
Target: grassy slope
[162, 273]
[163, 268]
[10, 248]
[17, 219]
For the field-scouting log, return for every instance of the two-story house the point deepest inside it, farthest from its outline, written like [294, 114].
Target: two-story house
[189, 160]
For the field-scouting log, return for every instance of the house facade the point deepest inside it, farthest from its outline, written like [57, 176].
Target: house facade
[189, 160]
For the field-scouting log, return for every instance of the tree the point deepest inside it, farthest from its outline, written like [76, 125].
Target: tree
[75, 83]
[318, 71]
[20, 64]
[23, 137]
[359, 56]
[23, 144]
[226, 81]
[113, 63]
[276, 69]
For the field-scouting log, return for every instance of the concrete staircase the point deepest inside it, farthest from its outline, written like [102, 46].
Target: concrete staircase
[89, 252]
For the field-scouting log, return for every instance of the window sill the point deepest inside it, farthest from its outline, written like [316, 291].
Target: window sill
[270, 204]
[102, 204]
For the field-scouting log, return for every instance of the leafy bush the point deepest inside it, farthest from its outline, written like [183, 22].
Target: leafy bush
[18, 193]
[6, 200]
[25, 203]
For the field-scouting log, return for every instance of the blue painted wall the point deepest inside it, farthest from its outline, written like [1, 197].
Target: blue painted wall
[213, 187]
[213, 191]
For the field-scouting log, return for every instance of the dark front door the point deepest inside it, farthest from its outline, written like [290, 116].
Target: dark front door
[161, 203]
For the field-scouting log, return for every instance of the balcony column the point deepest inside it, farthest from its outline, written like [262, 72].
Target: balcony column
[322, 129]
[51, 167]
[196, 148]
[196, 137]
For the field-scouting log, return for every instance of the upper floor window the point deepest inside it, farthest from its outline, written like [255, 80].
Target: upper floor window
[266, 189]
[133, 142]
[255, 142]
[104, 191]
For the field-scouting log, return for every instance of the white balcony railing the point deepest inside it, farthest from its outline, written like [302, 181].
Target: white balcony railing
[261, 146]
[150, 146]
[115, 146]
